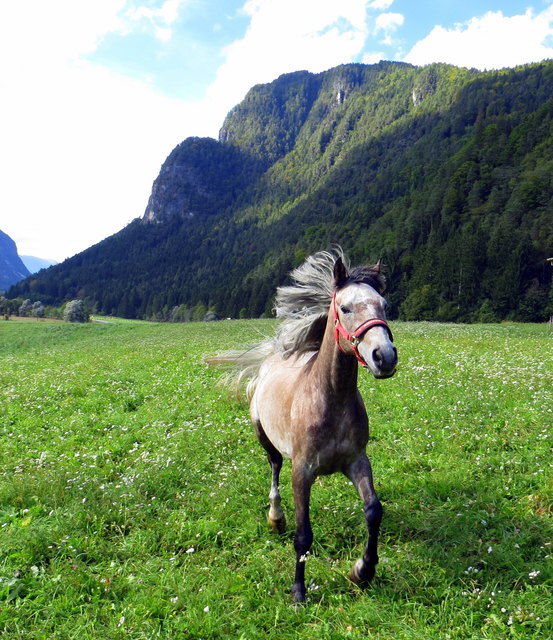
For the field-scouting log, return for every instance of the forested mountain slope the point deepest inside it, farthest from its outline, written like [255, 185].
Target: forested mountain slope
[445, 173]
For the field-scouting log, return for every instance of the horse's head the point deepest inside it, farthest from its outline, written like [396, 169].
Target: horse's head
[360, 318]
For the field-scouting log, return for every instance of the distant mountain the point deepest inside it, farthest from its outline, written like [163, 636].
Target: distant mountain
[12, 269]
[445, 173]
[35, 264]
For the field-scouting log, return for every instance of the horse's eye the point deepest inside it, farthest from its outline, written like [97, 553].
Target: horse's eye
[344, 309]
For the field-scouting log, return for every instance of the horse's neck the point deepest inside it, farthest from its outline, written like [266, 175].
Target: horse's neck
[333, 369]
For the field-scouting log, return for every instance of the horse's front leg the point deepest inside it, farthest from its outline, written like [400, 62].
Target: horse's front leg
[360, 474]
[302, 481]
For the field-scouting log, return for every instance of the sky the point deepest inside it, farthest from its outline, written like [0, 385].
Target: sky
[96, 93]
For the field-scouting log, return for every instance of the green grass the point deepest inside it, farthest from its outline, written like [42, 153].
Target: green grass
[133, 494]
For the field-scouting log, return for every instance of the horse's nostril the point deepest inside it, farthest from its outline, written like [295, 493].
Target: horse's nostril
[385, 359]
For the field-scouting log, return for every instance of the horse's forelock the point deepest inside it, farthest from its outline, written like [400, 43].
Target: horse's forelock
[370, 274]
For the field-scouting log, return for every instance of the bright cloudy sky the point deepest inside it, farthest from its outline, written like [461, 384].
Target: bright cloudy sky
[96, 93]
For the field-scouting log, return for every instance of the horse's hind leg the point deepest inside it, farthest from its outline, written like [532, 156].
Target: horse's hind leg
[276, 518]
[361, 475]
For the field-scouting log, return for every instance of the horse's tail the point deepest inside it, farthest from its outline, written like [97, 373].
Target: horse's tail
[242, 366]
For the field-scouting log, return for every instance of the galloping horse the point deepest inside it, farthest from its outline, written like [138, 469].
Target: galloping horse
[304, 401]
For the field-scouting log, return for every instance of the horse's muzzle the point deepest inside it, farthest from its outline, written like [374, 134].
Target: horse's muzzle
[384, 361]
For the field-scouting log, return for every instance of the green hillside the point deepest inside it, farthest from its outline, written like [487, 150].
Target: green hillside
[445, 173]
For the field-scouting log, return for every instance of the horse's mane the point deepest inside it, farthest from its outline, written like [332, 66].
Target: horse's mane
[303, 306]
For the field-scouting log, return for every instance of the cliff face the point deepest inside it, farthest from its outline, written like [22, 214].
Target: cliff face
[200, 178]
[12, 269]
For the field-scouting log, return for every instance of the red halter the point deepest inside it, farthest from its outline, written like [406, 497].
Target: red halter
[355, 338]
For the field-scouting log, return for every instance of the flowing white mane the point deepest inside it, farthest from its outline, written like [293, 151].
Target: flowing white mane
[304, 304]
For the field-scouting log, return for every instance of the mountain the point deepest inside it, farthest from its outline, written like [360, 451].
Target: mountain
[443, 172]
[12, 268]
[35, 264]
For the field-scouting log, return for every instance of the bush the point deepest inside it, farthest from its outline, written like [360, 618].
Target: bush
[25, 308]
[75, 312]
[38, 310]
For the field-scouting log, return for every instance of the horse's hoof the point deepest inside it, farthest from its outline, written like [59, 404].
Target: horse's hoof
[277, 526]
[361, 574]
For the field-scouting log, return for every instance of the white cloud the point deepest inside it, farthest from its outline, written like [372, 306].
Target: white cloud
[373, 57]
[287, 36]
[492, 41]
[159, 19]
[381, 5]
[45, 32]
[389, 21]
[81, 146]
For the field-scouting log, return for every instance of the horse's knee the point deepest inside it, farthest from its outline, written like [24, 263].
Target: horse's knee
[373, 511]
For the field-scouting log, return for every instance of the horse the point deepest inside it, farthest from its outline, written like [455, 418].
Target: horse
[304, 400]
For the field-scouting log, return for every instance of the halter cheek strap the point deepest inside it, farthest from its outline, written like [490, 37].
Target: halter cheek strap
[355, 338]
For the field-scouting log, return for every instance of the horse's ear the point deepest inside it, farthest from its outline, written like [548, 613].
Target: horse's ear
[378, 270]
[340, 272]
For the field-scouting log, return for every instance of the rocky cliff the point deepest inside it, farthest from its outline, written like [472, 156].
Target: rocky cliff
[12, 269]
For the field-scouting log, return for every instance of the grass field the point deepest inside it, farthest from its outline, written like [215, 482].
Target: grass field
[133, 494]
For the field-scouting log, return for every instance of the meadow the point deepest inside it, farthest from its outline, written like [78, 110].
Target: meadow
[133, 494]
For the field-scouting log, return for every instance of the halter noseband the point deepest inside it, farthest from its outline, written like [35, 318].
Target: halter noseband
[355, 338]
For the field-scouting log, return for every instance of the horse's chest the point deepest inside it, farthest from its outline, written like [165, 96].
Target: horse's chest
[334, 441]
